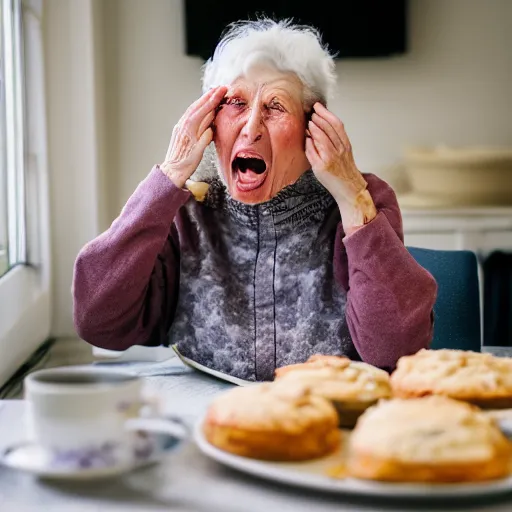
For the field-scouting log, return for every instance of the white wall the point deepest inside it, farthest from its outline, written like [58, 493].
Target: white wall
[150, 83]
[453, 87]
[75, 168]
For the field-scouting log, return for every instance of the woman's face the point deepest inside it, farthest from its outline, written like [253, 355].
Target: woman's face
[260, 133]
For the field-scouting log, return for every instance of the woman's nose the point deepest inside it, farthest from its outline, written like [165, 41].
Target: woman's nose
[253, 127]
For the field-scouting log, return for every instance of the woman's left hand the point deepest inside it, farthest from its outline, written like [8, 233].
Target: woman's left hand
[329, 152]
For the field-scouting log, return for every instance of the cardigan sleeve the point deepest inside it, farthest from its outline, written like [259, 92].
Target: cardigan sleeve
[125, 281]
[390, 297]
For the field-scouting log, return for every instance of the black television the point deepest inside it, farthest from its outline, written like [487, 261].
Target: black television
[350, 28]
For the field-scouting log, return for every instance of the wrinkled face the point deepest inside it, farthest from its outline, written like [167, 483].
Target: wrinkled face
[260, 134]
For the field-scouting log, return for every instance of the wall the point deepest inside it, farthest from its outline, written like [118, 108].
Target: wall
[126, 69]
[150, 82]
[75, 165]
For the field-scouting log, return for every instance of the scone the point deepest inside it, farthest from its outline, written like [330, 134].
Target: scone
[271, 421]
[350, 386]
[479, 378]
[315, 361]
[429, 439]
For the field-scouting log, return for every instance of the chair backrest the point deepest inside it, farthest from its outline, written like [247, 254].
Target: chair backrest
[457, 309]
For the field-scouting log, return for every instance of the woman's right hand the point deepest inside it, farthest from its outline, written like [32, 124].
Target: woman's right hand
[191, 136]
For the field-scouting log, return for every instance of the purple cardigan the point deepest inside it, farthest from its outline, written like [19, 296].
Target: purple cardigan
[244, 289]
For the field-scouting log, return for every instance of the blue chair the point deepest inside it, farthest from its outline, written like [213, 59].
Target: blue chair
[457, 309]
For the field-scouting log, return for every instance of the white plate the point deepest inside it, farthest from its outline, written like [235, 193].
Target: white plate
[33, 459]
[312, 475]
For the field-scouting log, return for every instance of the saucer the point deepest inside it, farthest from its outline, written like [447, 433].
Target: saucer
[31, 458]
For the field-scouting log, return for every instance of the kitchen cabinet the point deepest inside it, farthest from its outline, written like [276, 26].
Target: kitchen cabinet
[481, 230]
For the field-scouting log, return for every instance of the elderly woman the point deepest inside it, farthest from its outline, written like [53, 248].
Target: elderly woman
[293, 251]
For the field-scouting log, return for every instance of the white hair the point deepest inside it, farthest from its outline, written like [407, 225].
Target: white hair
[286, 46]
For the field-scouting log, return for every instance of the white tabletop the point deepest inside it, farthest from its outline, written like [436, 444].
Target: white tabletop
[186, 480]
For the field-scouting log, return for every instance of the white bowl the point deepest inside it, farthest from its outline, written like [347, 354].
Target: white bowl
[461, 176]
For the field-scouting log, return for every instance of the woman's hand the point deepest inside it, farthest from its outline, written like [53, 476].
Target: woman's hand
[191, 136]
[329, 152]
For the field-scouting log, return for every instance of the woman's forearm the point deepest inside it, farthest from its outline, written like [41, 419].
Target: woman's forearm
[124, 280]
[390, 296]
[358, 212]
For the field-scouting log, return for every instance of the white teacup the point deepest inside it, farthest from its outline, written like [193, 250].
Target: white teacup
[87, 417]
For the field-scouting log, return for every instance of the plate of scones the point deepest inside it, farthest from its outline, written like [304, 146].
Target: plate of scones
[439, 425]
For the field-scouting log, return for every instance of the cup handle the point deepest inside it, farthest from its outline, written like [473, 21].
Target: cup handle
[171, 425]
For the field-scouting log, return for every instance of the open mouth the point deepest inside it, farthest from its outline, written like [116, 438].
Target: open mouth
[250, 172]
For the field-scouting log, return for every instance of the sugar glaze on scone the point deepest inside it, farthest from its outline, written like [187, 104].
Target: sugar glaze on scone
[272, 421]
[429, 439]
[480, 378]
[315, 361]
[339, 378]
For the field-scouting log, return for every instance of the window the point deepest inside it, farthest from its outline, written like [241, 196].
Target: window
[24, 220]
[12, 137]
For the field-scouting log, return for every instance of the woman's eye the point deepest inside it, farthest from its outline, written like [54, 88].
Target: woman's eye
[237, 102]
[275, 106]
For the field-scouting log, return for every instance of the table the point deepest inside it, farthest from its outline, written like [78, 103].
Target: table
[186, 481]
